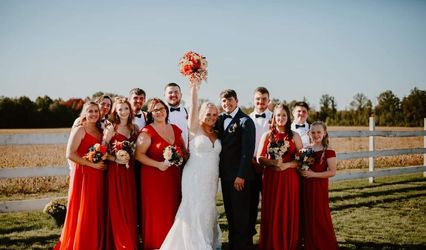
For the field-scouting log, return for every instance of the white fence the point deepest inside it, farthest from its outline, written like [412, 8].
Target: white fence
[61, 138]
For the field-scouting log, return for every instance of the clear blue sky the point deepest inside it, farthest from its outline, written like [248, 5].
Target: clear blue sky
[294, 48]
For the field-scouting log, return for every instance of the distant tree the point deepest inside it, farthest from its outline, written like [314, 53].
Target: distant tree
[388, 109]
[96, 95]
[362, 107]
[7, 112]
[327, 108]
[414, 107]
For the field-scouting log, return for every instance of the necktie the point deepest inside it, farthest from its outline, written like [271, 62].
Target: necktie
[300, 126]
[262, 115]
[174, 109]
[138, 115]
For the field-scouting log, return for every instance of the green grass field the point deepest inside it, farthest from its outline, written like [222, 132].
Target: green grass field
[389, 214]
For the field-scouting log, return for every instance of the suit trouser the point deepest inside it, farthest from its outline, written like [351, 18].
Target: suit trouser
[254, 202]
[237, 210]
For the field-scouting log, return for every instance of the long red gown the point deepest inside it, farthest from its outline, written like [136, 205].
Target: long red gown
[279, 228]
[317, 225]
[84, 226]
[121, 203]
[160, 192]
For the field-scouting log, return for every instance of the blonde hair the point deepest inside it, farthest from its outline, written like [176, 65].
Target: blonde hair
[205, 107]
[83, 114]
[324, 142]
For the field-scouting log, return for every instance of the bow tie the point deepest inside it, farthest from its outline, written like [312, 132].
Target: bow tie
[227, 116]
[300, 126]
[103, 120]
[138, 115]
[262, 115]
[174, 109]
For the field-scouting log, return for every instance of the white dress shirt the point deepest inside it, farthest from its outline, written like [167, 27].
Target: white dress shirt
[140, 121]
[303, 132]
[228, 120]
[261, 124]
[180, 119]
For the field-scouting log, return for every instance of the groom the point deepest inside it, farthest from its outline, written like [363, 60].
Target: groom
[237, 133]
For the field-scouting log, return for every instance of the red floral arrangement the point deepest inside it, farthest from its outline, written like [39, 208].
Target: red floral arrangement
[193, 65]
[96, 153]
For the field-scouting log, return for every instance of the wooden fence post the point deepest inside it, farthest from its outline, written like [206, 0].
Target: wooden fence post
[372, 127]
[424, 145]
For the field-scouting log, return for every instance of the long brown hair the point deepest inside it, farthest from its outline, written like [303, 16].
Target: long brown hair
[115, 119]
[287, 128]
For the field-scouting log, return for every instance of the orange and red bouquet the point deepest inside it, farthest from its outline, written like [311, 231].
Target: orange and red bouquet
[193, 65]
[96, 153]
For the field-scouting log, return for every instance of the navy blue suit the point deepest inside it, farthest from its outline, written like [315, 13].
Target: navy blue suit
[238, 143]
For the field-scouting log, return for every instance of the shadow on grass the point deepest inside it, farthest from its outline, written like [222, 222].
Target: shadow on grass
[375, 202]
[373, 245]
[17, 229]
[369, 186]
[378, 193]
[30, 240]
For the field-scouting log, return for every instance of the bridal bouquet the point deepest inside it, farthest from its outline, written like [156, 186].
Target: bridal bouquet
[276, 149]
[96, 153]
[123, 151]
[173, 155]
[193, 65]
[306, 157]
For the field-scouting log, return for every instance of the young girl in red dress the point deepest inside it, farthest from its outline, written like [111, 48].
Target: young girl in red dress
[84, 226]
[279, 227]
[121, 223]
[317, 225]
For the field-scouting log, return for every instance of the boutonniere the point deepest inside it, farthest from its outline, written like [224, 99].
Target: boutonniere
[233, 128]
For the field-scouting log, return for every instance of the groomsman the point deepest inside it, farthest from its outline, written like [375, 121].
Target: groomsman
[261, 117]
[137, 100]
[237, 134]
[178, 115]
[300, 124]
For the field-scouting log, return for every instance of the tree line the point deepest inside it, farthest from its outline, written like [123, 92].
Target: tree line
[44, 112]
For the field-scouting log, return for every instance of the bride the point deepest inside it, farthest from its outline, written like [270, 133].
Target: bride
[195, 226]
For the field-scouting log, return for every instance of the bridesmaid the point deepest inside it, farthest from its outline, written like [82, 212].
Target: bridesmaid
[105, 104]
[121, 189]
[279, 228]
[160, 183]
[85, 220]
[317, 224]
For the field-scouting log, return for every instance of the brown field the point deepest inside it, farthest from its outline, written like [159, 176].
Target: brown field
[54, 155]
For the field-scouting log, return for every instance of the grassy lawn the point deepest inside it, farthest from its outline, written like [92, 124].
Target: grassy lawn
[389, 214]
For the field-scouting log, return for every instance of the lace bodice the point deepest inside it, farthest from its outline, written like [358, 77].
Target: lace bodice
[200, 143]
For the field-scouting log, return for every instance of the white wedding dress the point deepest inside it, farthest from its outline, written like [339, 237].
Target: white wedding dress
[195, 226]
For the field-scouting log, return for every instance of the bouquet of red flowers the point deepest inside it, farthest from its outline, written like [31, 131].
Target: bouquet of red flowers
[173, 155]
[96, 153]
[123, 151]
[193, 65]
[306, 157]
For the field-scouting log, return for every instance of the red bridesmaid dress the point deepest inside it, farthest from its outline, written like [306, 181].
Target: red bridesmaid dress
[84, 226]
[160, 191]
[121, 203]
[317, 225]
[279, 228]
